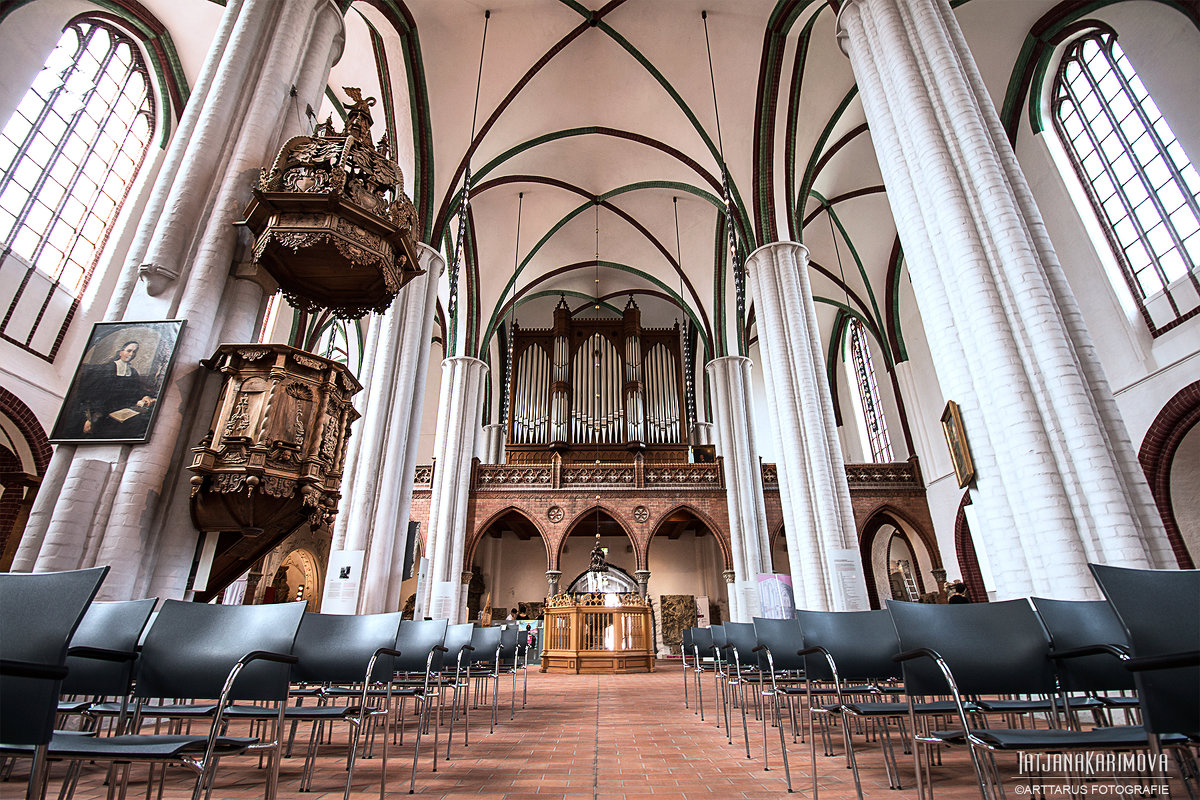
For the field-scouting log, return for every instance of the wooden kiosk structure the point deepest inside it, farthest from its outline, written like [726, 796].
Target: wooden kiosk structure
[597, 633]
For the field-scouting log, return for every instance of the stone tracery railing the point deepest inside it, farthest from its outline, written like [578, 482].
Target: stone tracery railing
[623, 475]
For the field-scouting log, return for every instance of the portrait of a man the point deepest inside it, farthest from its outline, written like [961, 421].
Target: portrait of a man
[114, 395]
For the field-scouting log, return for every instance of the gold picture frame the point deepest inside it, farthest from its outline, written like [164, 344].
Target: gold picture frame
[956, 441]
[121, 374]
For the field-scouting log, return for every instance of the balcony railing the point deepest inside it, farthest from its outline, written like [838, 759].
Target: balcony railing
[655, 476]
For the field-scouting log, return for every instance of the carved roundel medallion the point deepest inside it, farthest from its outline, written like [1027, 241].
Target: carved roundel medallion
[554, 514]
[641, 513]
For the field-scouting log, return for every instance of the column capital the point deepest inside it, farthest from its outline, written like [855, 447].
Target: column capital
[429, 258]
[466, 361]
[839, 30]
[771, 247]
[722, 361]
[728, 575]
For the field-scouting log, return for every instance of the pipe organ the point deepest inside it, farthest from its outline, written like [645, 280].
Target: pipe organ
[596, 388]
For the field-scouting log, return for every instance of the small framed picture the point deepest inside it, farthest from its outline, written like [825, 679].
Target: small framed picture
[956, 440]
[114, 395]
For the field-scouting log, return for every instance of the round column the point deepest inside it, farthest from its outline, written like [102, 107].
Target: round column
[1057, 482]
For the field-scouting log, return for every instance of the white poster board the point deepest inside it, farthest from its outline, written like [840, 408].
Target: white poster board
[342, 582]
[702, 619]
[849, 584]
[775, 596]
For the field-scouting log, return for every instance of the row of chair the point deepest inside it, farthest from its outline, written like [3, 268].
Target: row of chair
[940, 675]
[149, 677]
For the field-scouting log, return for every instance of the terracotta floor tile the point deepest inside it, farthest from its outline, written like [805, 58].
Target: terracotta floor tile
[624, 737]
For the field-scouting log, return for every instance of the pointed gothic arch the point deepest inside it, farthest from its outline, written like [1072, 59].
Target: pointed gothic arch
[1157, 455]
[874, 547]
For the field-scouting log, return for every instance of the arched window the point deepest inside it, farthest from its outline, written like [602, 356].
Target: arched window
[68, 156]
[873, 426]
[1143, 187]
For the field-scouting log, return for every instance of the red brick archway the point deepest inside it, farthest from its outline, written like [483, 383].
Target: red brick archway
[964, 548]
[20, 471]
[904, 528]
[1174, 421]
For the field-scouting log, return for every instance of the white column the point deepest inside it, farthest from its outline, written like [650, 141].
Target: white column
[378, 492]
[493, 447]
[460, 404]
[822, 541]
[1058, 484]
[734, 426]
[263, 49]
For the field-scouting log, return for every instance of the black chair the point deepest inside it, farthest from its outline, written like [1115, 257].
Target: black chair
[685, 647]
[702, 648]
[1160, 611]
[421, 644]
[486, 644]
[779, 645]
[741, 646]
[507, 663]
[458, 677]
[38, 615]
[101, 658]
[850, 653]
[1086, 681]
[988, 649]
[721, 674]
[230, 653]
[348, 658]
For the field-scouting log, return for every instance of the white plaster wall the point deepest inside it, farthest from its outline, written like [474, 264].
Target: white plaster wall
[1185, 478]
[578, 554]
[433, 388]
[514, 570]
[766, 439]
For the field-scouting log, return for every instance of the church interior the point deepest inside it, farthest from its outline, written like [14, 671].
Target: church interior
[484, 310]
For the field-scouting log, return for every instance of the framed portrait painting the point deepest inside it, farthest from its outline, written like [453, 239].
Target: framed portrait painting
[956, 441]
[114, 395]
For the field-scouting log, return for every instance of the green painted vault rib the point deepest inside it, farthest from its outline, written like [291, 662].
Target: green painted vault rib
[877, 317]
[497, 317]
[810, 170]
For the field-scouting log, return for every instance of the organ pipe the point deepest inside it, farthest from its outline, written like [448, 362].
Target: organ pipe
[597, 382]
[635, 434]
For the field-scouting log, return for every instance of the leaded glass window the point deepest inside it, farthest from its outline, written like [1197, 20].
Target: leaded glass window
[868, 393]
[1143, 187]
[68, 156]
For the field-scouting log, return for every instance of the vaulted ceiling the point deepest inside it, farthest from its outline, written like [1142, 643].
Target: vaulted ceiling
[596, 128]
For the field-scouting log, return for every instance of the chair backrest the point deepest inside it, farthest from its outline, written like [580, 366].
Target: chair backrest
[336, 648]
[702, 639]
[685, 645]
[508, 644]
[485, 641]
[720, 639]
[456, 637]
[109, 626]
[191, 647]
[991, 648]
[1078, 623]
[38, 614]
[782, 638]
[417, 637]
[741, 636]
[861, 643]
[1160, 610]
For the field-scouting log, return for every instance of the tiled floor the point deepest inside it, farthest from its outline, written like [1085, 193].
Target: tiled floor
[620, 737]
